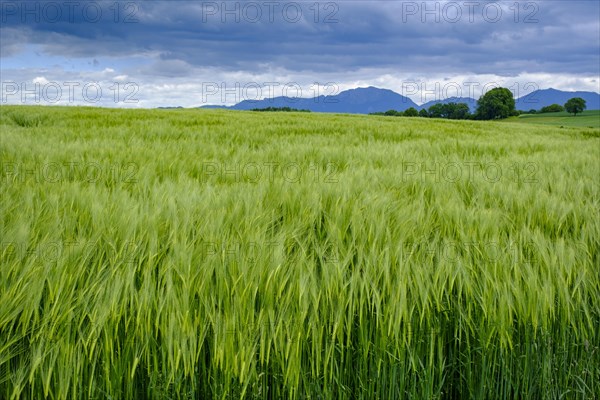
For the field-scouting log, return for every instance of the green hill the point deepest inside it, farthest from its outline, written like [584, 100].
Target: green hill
[588, 119]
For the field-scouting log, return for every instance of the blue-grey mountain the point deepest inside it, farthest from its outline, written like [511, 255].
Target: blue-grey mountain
[545, 97]
[372, 99]
[353, 101]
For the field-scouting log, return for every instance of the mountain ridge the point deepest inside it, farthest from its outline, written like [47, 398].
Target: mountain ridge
[365, 100]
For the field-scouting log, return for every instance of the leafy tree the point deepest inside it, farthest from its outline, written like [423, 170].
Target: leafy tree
[423, 113]
[411, 112]
[450, 110]
[282, 109]
[458, 111]
[575, 106]
[552, 108]
[436, 111]
[495, 104]
[393, 113]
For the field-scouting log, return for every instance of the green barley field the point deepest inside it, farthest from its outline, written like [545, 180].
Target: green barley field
[214, 254]
[588, 119]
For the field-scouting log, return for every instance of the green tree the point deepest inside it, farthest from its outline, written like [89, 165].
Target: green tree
[411, 112]
[436, 111]
[449, 110]
[423, 113]
[393, 113]
[575, 106]
[495, 104]
[552, 108]
[458, 111]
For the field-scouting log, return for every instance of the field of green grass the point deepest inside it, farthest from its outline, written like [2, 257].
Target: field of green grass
[588, 119]
[214, 254]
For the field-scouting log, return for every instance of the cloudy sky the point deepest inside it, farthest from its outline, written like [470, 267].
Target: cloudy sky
[191, 53]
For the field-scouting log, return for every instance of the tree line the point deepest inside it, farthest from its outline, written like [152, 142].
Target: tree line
[279, 109]
[497, 103]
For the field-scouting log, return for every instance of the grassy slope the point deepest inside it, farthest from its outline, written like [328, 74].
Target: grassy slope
[164, 253]
[589, 119]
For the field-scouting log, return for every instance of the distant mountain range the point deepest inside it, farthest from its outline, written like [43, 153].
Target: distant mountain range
[545, 97]
[353, 101]
[372, 99]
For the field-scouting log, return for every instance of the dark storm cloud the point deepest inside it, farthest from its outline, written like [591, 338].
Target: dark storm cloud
[437, 37]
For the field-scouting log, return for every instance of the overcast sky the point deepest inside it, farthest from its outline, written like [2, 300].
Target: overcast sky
[192, 53]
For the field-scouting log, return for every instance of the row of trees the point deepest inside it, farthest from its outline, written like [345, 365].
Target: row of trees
[439, 110]
[497, 103]
[552, 108]
[279, 109]
[574, 106]
[409, 112]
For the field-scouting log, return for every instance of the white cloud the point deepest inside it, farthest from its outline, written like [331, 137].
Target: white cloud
[204, 86]
[41, 80]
